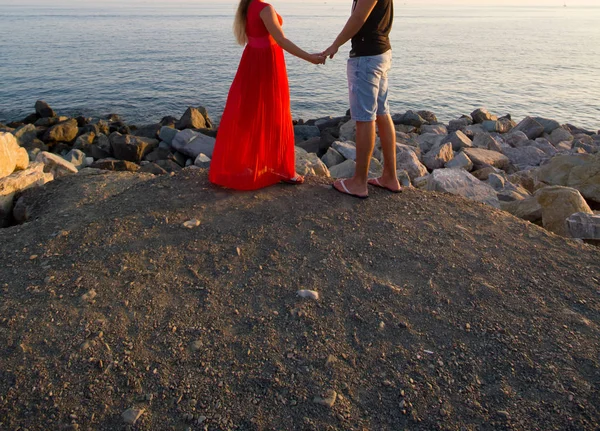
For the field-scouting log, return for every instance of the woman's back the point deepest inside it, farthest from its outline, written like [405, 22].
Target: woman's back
[255, 27]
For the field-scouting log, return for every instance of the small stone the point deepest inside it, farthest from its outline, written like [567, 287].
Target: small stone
[311, 294]
[196, 345]
[468, 326]
[89, 296]
[190, 224]
[328, 400]
[130, 416]
[503, 414]
[238, 251]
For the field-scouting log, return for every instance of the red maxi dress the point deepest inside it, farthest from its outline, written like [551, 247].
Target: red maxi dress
[255, 141]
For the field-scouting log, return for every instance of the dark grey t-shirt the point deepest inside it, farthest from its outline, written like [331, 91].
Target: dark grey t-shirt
[373, 37]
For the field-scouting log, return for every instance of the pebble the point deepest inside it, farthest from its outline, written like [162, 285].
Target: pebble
[311, 294]
[89, 296]
[503, 414]
[328, 400]
[196, 345]
[130, 416]
[190, 224]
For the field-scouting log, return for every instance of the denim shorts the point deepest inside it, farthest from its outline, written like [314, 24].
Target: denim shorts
[368, 86]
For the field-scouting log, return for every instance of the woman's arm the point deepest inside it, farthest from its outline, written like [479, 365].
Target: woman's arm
[271, 21]
[358, 18]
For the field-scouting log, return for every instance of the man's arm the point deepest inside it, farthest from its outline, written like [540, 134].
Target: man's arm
[358, 18]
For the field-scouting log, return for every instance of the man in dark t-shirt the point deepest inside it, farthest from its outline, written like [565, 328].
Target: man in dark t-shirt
[370, 60]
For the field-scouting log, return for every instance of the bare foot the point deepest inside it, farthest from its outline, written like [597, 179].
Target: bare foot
[348, 186]
[389, 184]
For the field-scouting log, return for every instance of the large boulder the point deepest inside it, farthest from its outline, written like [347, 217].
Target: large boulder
[530, 127]
[26, 134]
[438, 156]
[131, 148]
[43, 110]
[343, 170]
[483, 158]
[516, 138]
[584, 226]
[427, 141]
[579, 171]
[459, 124]
[33, 176]
[558, 204]
[560, 135]
[191, 143]
[481, 114]
[310, 164]
[84, 142]
[527, 209]
[12, 156]
[458, 140]
[488, 142]
[346, 149]
[525, 156]
[438, 129]
[548, 124]
[194, 118]
[460, 182]
[348, 131]
[332, 157]
[77, 158]
[305, 132]
[167, 134]
[409, 118]
[56, 165]
[408, 161]
[460, 161]
[149, 131]
[101, 147]
[65, 131]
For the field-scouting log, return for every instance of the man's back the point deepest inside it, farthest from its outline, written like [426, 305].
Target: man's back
[373, 37]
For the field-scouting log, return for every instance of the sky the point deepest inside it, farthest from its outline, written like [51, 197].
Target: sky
[407, 2]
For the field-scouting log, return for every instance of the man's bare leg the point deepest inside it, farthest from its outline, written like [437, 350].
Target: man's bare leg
[387, 135]
[365, 142]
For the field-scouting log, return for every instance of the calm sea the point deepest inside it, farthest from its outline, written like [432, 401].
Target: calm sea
[148, 61]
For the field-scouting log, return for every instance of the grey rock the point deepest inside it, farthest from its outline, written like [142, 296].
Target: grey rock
[530, 127]
[427, 141]
[25, 134]
[516, 138]
[548, 125]
[480, 115]
[584, 226]
[131, 148]
[460, 182]
[496, 181]
[76, 157]
[153, 168]
[332, 158]
[458, 140]
[65, 131]
[148, 131]
[527, 209]
[56, 165]
[428, 116]
[192, 144]
[312, 145]
[343, 170]
[545, 146]
[438, 156]
[346, 149]
[482, 158]
[304, 132]
[167, 134]
[525, 156]
[193, 119]
[459, 124]
[101, 148]
[115, 165]
[403, 178]
[438, 129]
[409, 118]
[348, 131]
[202, 161]
[460, 161]
[43, 110]
[131, 416]
[560, 135]
[558, 204]
[409, 161]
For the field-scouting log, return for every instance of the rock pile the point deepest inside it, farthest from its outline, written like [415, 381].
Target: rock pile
[479, 156]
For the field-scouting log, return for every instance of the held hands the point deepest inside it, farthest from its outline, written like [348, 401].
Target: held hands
[317, 58]
[330, 52]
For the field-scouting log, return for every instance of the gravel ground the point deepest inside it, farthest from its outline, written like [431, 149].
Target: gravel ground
[434, 313]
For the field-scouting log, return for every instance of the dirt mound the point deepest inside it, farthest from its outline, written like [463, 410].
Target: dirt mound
[434, 312]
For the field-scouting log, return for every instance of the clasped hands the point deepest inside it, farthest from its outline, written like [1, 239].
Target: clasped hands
[321, 57]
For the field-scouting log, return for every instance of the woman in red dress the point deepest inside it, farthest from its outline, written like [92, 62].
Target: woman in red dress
[255, 142]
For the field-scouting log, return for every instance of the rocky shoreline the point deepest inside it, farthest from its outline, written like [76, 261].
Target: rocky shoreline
[537, 169]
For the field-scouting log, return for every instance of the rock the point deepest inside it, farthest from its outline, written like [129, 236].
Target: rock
[459, 124]
[545, 146]
[25, 134]
[458, 140]
[43, 110]
[558, 204]
[460, 161]
[192, 119]
[167, 134]
[329, 122]
[438, 129]
[409, 118]
[511, 192]
[84, 143]
[101, 148]
[190, 224]
[480, 115]
[427, 141]
[548, 125]
[115, 165]
[409, 161]
[202, 161]
[496, 181]
[530, 127]
[58, 166]
[152, 168]
[581, 172]
[403, 178]
[428, 116]
[131, 148]
[149, 131]
[304, 133]
[375, 168]
[159, 154]
[346, 149]
[328, 400]
[484, 173]
[583, 225]
[438, 156]
[525, 179]
[65, 131]
[312, 145]
[17, 182]
[421, 182]
[525, 156]
[560, 135]
[310, 164]
[527, 209]
[309, 294]
[482, 158]
[332, 157]
[76, 157]
[168, 165]
[191, 143]
[348, 131]
[343, 170]
[460, 182]
[473, 130]
[130, 416]
[488, 142]
[9, 153]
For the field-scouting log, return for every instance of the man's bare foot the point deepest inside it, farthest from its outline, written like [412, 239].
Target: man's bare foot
[348, 186]
[391, 185]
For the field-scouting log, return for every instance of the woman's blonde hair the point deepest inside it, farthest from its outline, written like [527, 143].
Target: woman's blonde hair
[239, 25]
